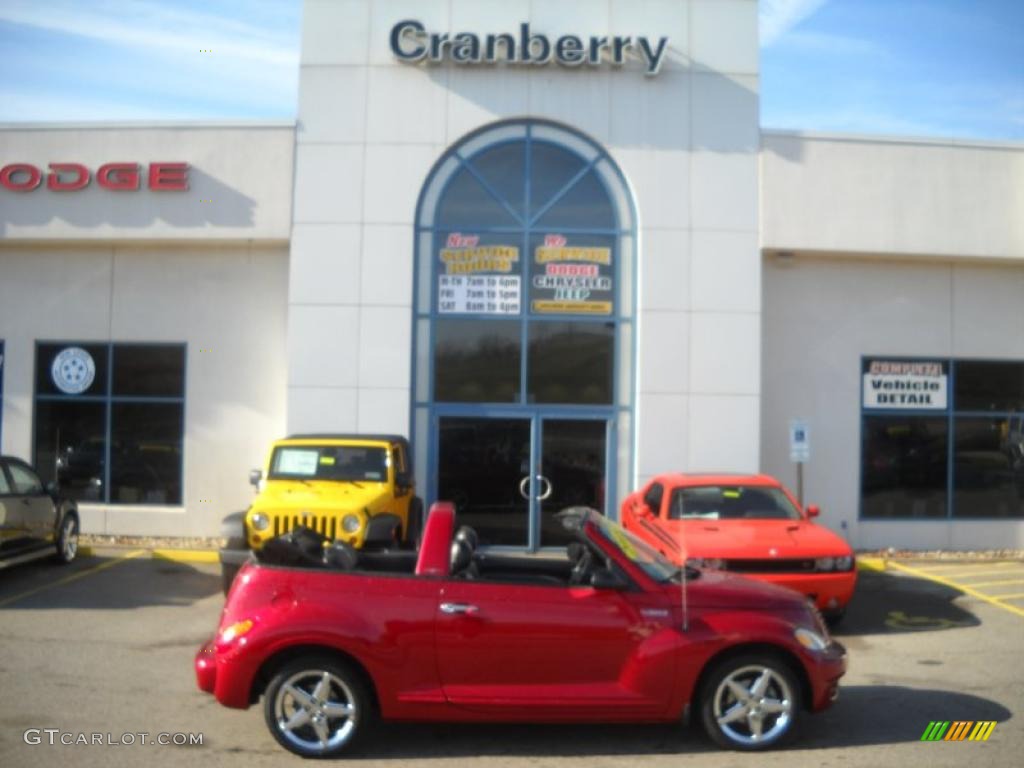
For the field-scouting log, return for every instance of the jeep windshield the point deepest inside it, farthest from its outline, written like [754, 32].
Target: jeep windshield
[329, 462]
[731, 502]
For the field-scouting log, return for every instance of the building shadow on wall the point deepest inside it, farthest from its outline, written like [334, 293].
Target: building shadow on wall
[207, 202]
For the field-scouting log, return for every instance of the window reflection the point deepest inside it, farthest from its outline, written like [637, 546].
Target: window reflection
[571, 363]
[988, 467]
[904, 467]
[476, 361]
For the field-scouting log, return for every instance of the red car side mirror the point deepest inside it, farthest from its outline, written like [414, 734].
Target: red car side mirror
[813, 510]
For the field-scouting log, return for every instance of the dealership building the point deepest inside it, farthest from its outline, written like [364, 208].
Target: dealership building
[551, 244]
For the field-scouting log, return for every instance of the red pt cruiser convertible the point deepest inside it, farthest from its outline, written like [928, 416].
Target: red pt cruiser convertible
[608, 632]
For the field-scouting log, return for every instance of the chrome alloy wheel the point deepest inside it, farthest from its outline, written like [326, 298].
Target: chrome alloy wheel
[753, 705]
[69, 539]
[315, 710]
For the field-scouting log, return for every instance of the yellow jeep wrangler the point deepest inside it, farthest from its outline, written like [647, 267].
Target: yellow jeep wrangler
[356, 488]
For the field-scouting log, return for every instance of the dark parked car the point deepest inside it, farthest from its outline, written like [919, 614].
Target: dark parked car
[34, 520]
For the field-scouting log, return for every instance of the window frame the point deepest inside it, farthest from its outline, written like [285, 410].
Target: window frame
[951, 413]
[108, 400]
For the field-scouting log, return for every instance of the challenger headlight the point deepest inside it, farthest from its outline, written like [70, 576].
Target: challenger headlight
[812, 641]
[260, 522]
[824, 564]
[844, 563]
[350, 523]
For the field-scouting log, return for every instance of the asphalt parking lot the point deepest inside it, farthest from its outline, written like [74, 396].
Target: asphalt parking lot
[106, 645]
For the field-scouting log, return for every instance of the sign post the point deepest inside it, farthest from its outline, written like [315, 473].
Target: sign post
[799, 452]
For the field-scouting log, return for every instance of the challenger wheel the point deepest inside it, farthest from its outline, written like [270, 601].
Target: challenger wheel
[317, 706]
[67, 539]
[750, 702]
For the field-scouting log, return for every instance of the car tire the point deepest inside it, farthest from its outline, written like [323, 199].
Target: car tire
[750, 702]
[301, 697]
[67, 539]
[228, 572]
[414, 525]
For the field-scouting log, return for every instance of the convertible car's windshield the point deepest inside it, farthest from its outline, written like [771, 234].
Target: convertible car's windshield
[640, 554]
[329, 462]
[731, 502]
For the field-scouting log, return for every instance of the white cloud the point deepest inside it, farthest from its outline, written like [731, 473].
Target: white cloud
[152, 25]
[777, 17]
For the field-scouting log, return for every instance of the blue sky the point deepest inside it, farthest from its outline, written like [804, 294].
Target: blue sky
[945, 68]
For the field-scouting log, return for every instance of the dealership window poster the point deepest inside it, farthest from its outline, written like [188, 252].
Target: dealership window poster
[478, 275]
[572, 275]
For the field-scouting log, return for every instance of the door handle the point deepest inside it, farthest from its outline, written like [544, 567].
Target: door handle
[540, 480]
[458, 608]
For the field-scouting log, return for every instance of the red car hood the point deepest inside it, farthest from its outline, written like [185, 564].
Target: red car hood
[757, 539]
[717, 589]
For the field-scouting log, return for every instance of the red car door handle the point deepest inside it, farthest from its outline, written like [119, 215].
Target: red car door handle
[454, 608]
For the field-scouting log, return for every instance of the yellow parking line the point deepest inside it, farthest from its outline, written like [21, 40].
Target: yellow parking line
[966, 589]
[1014, 596]
[997, 583]
[187, 555]
[73, 577]
[947, 569]
[973, 574]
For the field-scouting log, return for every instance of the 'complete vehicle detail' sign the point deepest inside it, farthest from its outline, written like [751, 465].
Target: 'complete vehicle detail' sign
[905, 384]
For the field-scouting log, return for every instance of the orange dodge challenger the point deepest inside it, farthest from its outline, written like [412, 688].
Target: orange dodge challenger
[747, 524]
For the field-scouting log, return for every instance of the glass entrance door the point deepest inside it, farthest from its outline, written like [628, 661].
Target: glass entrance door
[573, 462]
[480, 463]
[484, 468]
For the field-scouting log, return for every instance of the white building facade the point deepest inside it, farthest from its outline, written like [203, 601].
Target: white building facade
[549, 242]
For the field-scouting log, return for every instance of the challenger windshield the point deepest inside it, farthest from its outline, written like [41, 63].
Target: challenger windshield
[329, 462]
[731, 502]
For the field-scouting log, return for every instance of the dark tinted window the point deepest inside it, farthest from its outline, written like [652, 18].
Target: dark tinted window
[585, 206]
[96, 443]
[653, 497]
[145, 453]
[988, 467]
[983, 386]
[551, 169]
[904, 467]
[502, 168]
[72, 434]
[571, 362]
[151, 371]
[476, 362]
[467, 203]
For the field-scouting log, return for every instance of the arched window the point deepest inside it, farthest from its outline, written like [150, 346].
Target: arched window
[523, 326]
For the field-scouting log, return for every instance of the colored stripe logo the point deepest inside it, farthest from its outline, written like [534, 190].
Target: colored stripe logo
[958, 730]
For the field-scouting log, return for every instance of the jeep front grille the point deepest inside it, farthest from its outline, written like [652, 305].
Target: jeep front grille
[323, 524]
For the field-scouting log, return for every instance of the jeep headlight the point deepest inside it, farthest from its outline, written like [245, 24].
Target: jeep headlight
[260, 522]
[824, 564]
[350, 523]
